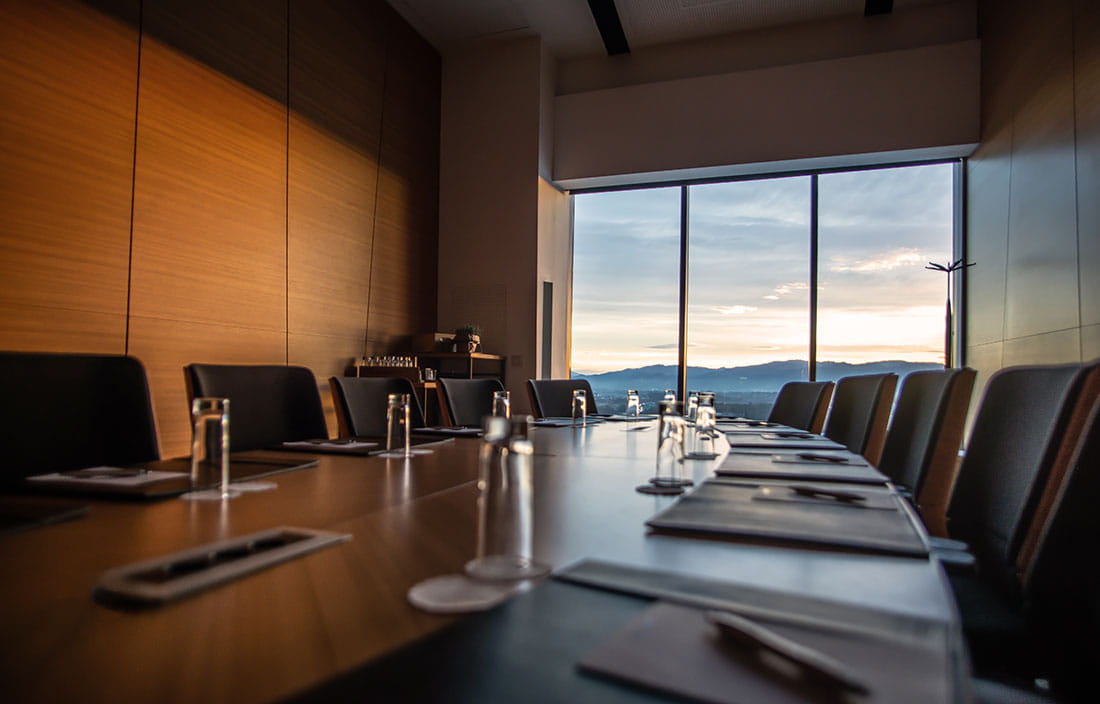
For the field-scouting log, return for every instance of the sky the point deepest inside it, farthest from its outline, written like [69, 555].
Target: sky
[748, 293]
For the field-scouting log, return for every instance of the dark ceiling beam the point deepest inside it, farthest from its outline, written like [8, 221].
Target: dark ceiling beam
[878, 7]
[611, 28]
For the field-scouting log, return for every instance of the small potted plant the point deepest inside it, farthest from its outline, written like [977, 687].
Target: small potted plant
[467, 338]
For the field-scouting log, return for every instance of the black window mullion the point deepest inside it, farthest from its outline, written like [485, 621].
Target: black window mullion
[681, 371]
[813, 278]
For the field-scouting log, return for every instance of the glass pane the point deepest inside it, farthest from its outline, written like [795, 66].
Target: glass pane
[626, 290]
[748, 290]
[877, 304]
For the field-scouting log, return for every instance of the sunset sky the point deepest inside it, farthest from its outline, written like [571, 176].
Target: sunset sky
[749, 270]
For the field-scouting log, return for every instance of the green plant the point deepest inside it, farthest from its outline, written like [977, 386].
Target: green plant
[467, 330]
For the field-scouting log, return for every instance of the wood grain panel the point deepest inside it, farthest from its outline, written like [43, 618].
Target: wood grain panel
[68, 76]
[165, 346]
[336, 81]
[988, 178]
[404, 271]
[209, 196]
[326, 356]
[1063, 346]
[1086, 41]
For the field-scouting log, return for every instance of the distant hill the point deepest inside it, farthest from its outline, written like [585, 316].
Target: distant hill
[761, 377]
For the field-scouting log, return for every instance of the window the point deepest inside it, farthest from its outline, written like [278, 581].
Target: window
[750, 316]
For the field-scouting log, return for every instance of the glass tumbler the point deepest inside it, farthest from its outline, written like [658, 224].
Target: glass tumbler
[692, 406]
[633, 403]
[705, 428]
[670, 451]
[580, 406]
[505, 525]
[210, 449]
[398, 428]
[502, 404]
[670, 396]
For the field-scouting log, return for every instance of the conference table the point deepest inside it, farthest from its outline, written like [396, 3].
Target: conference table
[291, 630]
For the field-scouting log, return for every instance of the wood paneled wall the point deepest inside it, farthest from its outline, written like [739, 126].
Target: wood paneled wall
[1033, 222]
[216, 181]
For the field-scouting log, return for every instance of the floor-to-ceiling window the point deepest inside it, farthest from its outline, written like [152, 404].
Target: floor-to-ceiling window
[751, 320]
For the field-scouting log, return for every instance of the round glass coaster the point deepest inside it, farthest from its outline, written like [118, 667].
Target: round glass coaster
[400, 454]
[209, 495]
[457, 593]
[701, 456]
[505, 567]
[253, 486]
[659, 490]
[659, 481]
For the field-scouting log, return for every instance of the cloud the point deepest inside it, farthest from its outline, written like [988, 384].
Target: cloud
[786, 290]
[883, 262]
[734, 310]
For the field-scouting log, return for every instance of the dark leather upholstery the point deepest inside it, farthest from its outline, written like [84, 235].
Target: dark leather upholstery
[469, 400]
[553, 398]
[799, 403]
[860, 412]
[70, 411]
[268, 404]
[361, 404]
[1013, 444]
[917, 431]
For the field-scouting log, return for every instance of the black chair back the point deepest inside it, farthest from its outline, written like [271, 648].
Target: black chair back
[919, 431]
[860, 411]
[268, 404]
[1013, 446]
[469, 400]
[71, 411]
[1062, 584]
[361, 404]
[802, 405]
[553, 398]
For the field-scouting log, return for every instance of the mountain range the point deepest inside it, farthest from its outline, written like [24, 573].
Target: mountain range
[767, 377]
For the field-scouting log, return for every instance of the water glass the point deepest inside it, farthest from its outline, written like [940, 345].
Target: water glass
[502, 404]
[670, 396]
[210, 449]
[580, 406]
[633, 403]
[670, 452]
[399, 427]
[692, 405]
[705, 428]
[505, 525]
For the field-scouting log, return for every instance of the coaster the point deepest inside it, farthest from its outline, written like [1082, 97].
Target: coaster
[400, 454]
[253, 486]
[209, 495]
[505, 567]
[457, 594]
[701, 456]
[659, 490]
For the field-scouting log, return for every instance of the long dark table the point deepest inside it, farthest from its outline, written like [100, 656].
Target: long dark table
[290, 628]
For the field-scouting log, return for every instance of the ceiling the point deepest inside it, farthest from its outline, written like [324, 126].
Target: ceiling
[568, 30]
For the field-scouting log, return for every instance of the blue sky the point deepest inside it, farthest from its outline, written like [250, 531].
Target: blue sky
[748, 287]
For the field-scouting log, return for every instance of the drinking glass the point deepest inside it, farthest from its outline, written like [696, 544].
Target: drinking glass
[670, 452]
[502, 404]
[209, 449]
[633, 404]
[692, 405]
[705, 428]
[505, 524]
[580, 407]
[670, 396]
[398, 428]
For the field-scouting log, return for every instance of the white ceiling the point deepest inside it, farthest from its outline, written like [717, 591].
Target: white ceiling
[568, 30]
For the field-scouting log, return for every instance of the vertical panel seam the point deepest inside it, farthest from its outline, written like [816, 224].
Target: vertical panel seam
[377, 183]
[286, 203]
[133, 180]
[1076, 174]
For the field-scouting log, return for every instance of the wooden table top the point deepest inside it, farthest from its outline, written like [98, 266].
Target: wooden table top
[279, 631]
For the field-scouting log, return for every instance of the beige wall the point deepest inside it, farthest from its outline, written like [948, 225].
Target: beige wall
[1033, 213]
[224, 181]
[907, 100]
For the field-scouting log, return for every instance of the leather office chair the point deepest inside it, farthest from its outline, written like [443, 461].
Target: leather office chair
[860, 411]
[1016, 455]
[71, 411]
[469, 400]
[361, 404]
[1038, 614]
[553, 398]
[921, 451]
[802, 405]
[268, 404]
